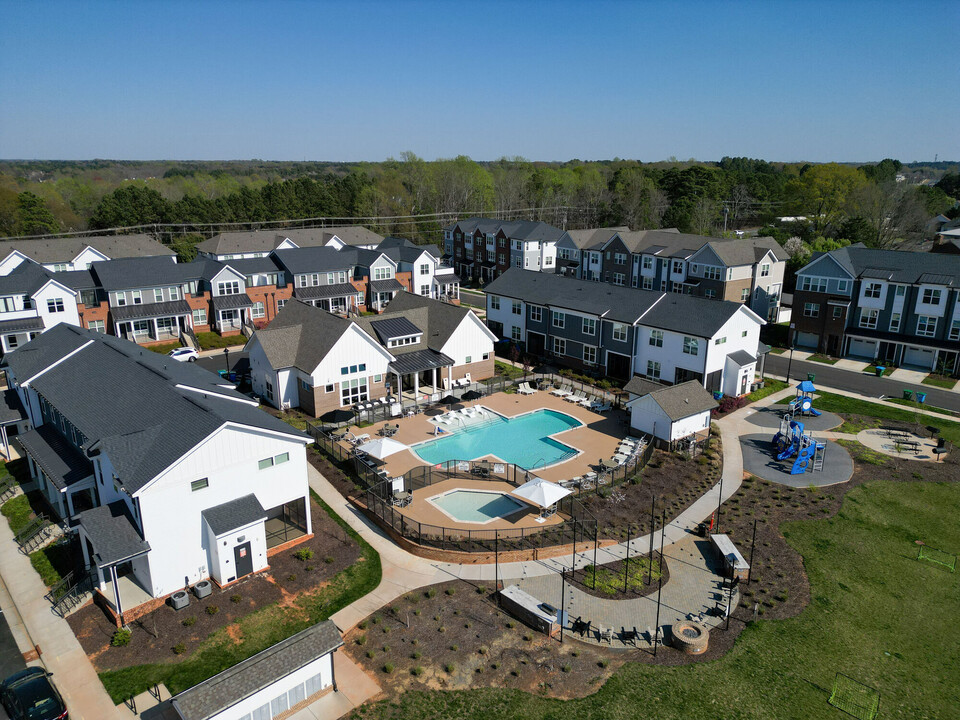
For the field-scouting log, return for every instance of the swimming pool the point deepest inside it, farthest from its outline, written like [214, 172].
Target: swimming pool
[477, 506]
[523, 440]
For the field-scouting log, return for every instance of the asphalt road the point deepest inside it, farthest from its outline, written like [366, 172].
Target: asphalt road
[867, 385]
[239, 362]
[11, 660]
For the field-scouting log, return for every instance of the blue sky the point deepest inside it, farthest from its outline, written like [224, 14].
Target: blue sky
[842, 80]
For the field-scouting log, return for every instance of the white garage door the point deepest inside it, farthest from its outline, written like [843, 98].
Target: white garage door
[921, 357]
[863, 348]
[808, 340]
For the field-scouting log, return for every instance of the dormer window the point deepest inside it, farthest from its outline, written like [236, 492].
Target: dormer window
[403, 341]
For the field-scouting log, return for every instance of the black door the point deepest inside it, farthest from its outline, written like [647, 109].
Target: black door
[535, 343]
[618, 366]
[243, 560]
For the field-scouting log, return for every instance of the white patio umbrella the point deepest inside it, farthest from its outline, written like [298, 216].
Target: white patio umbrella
[541, 492]
[382, 447]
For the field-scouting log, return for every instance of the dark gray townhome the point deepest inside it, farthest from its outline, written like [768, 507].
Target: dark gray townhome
[894, 308]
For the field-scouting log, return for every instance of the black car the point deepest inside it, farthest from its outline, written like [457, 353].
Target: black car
[30, 695]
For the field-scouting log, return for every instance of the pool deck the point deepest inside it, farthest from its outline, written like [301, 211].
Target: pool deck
[597, 438]
[421, 510]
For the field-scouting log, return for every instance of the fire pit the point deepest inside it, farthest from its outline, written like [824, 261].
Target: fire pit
[690, 637]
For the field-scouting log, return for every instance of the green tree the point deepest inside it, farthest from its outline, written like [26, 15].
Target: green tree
[822, 192]
[130, 205]
[33, 217]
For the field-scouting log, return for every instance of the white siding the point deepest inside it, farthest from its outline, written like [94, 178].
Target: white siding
[11, 262]
[54, 291]
[471, 339]
[689, 425]
[353, 348]
[733, 330]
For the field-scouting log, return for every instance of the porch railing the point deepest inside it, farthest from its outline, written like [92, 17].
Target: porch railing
[34, 534]
[72, 590]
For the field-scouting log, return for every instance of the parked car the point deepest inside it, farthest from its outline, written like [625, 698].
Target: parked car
[31, 695]
[184, 354]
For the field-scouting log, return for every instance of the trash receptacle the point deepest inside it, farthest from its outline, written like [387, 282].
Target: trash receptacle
[921, 397]
[702, 529]
[907, 394]
[880, 370]
[811, 377]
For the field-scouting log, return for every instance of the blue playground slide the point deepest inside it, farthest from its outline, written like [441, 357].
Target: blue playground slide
[803, 459]
[806, 407]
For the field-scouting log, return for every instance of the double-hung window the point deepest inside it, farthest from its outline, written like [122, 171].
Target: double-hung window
[656, 338]
[589, 355]
[55, 305]
[811, 309]
[494, 302]
[872, 290]
[559, 319]
[536, 314]
[653, 369]
[231, 287]
[895, 322]
[926, 326]
[619, 332]
[589, 326]
[868, 318]
[691, 346]
[764, 269]
[515, 307]
[931, 296]
[559, 346]
[647, 262]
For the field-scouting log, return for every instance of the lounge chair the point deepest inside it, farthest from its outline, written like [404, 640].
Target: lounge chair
[360, 439]
[576, 398]
[525, 389]
[605, 633]
[586, 402]
[600, 407]
[560, 392]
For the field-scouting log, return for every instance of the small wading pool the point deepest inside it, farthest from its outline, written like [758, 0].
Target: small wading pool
[476, 506]
[523, 440]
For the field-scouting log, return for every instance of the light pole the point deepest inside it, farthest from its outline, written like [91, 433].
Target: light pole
[792, 344]
[226, 359]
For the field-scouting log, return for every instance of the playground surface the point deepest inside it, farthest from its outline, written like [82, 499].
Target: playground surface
[770, 416]
[759, 460]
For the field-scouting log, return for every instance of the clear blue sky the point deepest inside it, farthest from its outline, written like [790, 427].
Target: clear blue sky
[839, 80]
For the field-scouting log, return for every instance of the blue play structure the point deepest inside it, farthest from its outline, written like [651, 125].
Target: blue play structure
[792, 441]
[803, 402]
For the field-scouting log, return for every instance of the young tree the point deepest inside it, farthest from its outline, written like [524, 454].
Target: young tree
[33, 217]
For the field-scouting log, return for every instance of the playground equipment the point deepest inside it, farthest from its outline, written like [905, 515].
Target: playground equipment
[791, 440]
[803, 402]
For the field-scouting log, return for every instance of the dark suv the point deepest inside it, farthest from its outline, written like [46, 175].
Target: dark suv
[30, 695]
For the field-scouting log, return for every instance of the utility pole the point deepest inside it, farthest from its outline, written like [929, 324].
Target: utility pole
[656, 629]
[753, 543]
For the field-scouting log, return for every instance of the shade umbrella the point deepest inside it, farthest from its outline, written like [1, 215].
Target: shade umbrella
[337, 416]
[448, 400]
[434, 411]
[382, 447]
[541, 492]
[472, 395]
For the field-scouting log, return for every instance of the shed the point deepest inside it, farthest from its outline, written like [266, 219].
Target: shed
[527, 608]
[734, 564]
[672, 413]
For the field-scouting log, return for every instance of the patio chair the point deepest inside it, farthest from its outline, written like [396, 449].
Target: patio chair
[360, 439]
[600, 407]
[525, 389]
[586, 402]
[575, 398]
[605, 633]
[560, 392]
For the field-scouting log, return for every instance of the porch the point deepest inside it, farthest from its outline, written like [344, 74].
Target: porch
[231, 312]
[155, 322]
[446, 284]
[382, 292]
[61, 472]
[341, 298]
[421, 374]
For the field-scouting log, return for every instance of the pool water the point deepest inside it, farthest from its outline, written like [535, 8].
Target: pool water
[523, 440]
[477, 506]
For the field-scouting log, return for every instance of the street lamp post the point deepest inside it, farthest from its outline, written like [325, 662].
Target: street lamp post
[226, 359]
[793, 342]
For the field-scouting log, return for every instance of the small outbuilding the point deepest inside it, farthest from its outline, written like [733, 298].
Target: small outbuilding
[669, 413]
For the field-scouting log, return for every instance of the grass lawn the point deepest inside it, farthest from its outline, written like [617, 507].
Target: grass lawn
[17, 512]
[610, 583]
[872, 370]
[820, 358]
[54, 561]
[255, 632]
[165, 348]
[923, 406]
[939, 381]
[778, 350]
[211, 340]
[507, 370]
[770, 387]
[876, 614]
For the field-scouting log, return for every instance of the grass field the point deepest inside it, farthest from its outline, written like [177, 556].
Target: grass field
[939, 381]
[876, 614]
[872, 369]
[820, 358]
[17, 512]
[211, 340]
[770, 387]
[257, 631]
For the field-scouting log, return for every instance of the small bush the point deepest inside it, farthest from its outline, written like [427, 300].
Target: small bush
[441, 629]
[454, 647]
[417, 612]
[430, 593]
[212, 610]
[481, 589]
[449, 668]
[451, 591]
[511, 624]
[308, 568]
[417, 671]
[603, 663]
[565, 668]
[371, 654]
[121, 638]
[235, 599]
[386, 648]
[415, 655]
[179, 648]
[328, 560]
[362, 624]
[361, 640]
[303, 554]
[292, 577]
[414, 642]
[189, 622]
[375, 619]
[388, 668]
[482, 650]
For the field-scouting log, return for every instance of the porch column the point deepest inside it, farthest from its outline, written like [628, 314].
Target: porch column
[6, 442]
[936, 356]
[156, 331]
[116, 594]
[434, 371]
[399, 388]
[450, 376]
[416, 387]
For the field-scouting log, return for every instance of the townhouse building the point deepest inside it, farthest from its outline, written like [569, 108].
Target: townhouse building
[260, 243]
[622, 331]
[429, 275]
[318, 361]
[886, 306]
[169, 476]
[78, 253]
[32, 299]
[484, 248]
[744, 270]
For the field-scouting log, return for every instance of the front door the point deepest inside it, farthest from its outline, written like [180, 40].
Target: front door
[743, 384]
[243, 560]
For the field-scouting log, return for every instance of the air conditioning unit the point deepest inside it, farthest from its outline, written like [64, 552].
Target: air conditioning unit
[202, 589]
[179, 600]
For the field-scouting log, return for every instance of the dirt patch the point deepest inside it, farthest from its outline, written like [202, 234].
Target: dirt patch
[332, 472]
[155, 634]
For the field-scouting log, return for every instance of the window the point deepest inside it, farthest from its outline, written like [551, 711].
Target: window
[494, 302]
[653, 370]
[199, 484]
[265, 463]
[280, 304]
[548, 260]
[158, 294]
[620, 258]
[618, 278]
[518, 261]
[382, 273]
[259, 310]
[12, 342]
[619, 332]
[515, 333]
[486, 356]
[712, 272]
[931, 296]
[589, 355]
[7, 304]
[868, 318]
[744, 333]
[764, 269]
[677, 267]
[55, 305]
[837, 312]
[559, 346]
[425, 269]
[200, 316]
[281, 458]
[228, 288]
[926, 326]
[353, 391]
[676, 287]
[872, 290]
[174, 293]
[811, 309]
[955, 330]
[559, 319]
[691, 346]
[812, 284]
[96, 326]
[515, 307]
[647, 263]
[425, 289]
[137, 297]
[901, 290]
[536, 314]
[843, 286]
[329, 388]
[269, 389]
[744, 294]
[710, 294]
[656, 338]
[304, 385]
[501, 259]
[648, 283]
[468, 359]
[895, 322]
[720, 340]
[589, 326]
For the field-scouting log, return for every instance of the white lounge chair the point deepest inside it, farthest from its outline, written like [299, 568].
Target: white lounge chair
[576, 398]
[600, 407]
[525, 389]
[586, 402]
[560, 392]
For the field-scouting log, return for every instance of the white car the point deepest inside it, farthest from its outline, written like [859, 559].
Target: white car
[184, 354]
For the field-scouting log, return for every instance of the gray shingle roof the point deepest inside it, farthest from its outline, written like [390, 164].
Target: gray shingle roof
[113, 532]
[256, 673]
[21, 325]
[742, 358]
[300, 336]
[438, 320]
[690, 315]
[896, 265]
[683, 400]
[133, 273]
[231, 302]
[156, 409]
[77, 279]
[59, 460]
[62, 250]
[527, 230]
[746, 250]
[299, 261]
[266, 240]
[234, 514]
[641, 386]
[25, 279]
[151, 310]
[11, 409]
[254, 266]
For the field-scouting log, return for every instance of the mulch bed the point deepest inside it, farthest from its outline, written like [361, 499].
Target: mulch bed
[583, 579]
[156, 633]
[337, 477]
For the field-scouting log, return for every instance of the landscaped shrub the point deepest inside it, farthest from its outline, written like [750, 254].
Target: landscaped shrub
[303, 554]
[417, 671]
[212, 610]
[388, 668]
[235, 599]
[449, 667]
[179, 648]
[121, 638]
[189, 622]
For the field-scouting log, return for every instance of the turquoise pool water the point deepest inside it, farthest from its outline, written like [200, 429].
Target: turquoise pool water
[523, 440]
[477, 506]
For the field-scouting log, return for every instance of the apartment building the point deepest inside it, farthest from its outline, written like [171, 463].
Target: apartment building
[260, 243]
[886, 306]
[78, 253]
[744, 270]
[483, 248]
[622, 331]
